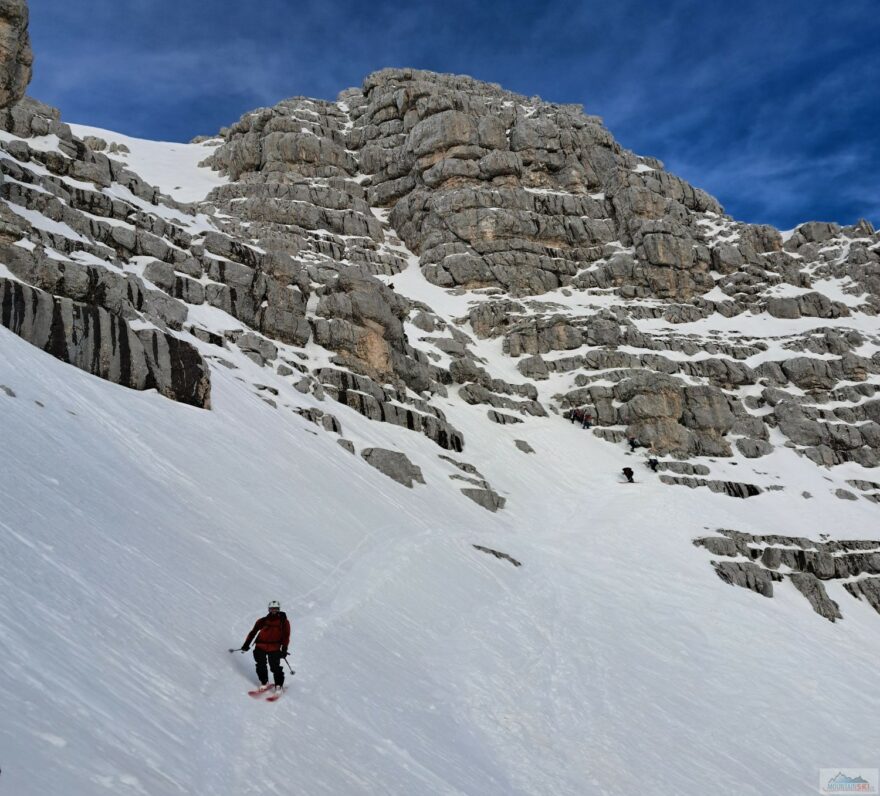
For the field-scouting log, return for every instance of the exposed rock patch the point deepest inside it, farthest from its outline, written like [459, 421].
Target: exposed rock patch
[16, 57]
[810, 564]
[93, 339]
[489, 500]
[498, 554]
[394, 464]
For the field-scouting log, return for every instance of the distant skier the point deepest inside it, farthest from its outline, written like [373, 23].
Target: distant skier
[633, 443]
[588, 420]
[652, 463]
[272, 634]
[628, 472]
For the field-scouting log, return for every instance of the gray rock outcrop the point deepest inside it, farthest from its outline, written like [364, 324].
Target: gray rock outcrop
[489, 500]
[498, 554]
[811, 587]
[16, 57]
[394, 464]
[747, 575]
[869, 588]
[810, 564]
[103, 344]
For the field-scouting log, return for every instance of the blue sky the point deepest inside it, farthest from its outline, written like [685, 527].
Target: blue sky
[773, 106]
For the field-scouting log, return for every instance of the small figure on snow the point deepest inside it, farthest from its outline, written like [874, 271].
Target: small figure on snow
[628, 472]
[652, 463]
[272, 633]
[633, 443]
[588, 420]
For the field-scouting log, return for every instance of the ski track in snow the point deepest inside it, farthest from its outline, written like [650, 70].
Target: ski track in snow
[141, 539]
[144, 537]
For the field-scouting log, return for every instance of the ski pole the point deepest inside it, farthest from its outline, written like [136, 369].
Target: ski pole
[288, 664]
[238, 649]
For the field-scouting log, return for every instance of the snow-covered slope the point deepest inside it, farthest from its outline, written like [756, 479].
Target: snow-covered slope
[141, 538]
[173, 167]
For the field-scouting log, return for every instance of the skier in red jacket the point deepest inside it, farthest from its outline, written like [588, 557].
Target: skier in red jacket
[272, 634]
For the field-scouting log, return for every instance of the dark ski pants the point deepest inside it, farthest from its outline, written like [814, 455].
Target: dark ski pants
[274, 660]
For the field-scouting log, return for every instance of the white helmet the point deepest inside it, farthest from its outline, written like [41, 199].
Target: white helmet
[274, 604]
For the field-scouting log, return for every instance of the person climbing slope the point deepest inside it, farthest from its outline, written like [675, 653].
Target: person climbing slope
[272, 634]
[628, 472]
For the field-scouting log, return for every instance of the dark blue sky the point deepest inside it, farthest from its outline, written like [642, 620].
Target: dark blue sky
[773, 106]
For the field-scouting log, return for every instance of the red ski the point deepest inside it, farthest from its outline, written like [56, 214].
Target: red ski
[258, 692]
[276, 695]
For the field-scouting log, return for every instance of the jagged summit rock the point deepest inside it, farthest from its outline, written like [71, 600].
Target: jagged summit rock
[489, 188]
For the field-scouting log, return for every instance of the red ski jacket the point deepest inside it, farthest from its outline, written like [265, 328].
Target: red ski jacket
[272, 632]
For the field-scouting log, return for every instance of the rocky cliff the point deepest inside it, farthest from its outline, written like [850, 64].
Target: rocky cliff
[80, 312]
[16, 57]
[511, 199]
[375, 249]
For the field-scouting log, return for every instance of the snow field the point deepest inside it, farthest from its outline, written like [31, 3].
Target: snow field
[141, 539]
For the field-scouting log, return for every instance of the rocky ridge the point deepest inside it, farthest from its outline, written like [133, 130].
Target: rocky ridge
[373, 250]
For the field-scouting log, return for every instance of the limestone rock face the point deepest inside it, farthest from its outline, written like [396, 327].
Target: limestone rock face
[362, 319]
[16, 57]
[104, 344]
[388, 250]
[666, 414]
[493, 190]
[508, 197]
[810, 564]
[66, 290]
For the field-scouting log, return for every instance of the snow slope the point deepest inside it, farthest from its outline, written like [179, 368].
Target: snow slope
[141, 538]
[172, 167]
